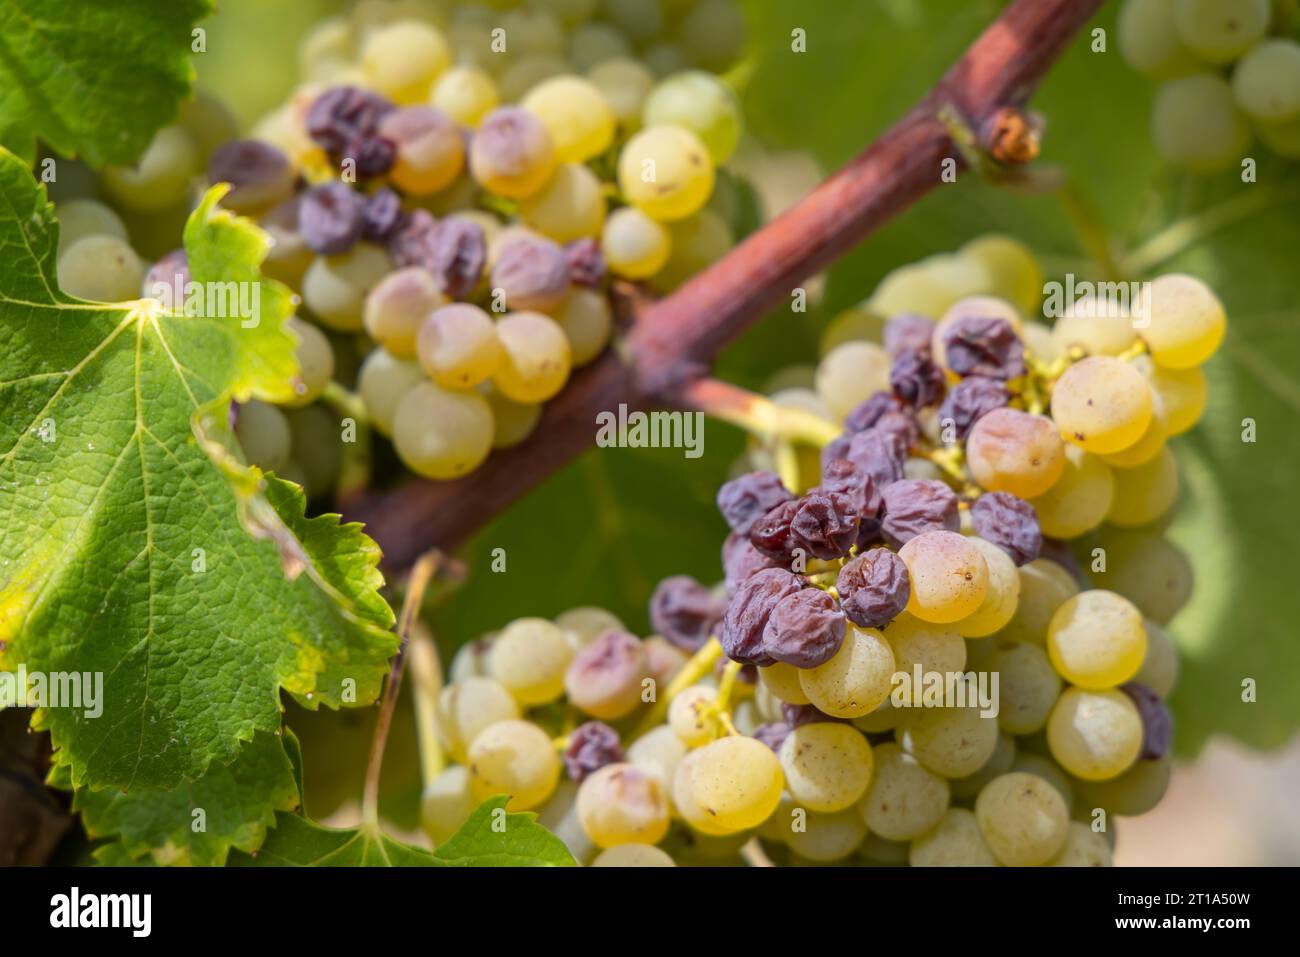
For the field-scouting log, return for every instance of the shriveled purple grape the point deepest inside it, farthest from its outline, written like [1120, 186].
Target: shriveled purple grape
[746, 499]
[329, 218]
[532, 272]
[373, 155]
[983, 346]
[684, 612]
[259, 174]
[1157, 722]
[868, 412]
[745, 675]
[408, 246]
[825, 524]
[913, 506]
[1010, 523]
[916, 380]
[586, 262]
[879, 454]
[805, 629]
[873, 588]
[772, 535]
[457, 253]
[748, 611]
[342, 114]
[773, 734]
[968, 400]
[740, 559]
[901, 425]
[381, 216]
[908, 332]
[591, 746]
[604, 678]
[1054, 549]
[844, 478]
[797, 715]
[836, 448]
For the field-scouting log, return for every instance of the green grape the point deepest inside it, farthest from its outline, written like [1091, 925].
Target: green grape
[701, 103]
[666, 172]
[783, 681]
[568, 12]
[1044, 587]
[263, 434]
[949, 576]
[514, 421]
[639, 20]
[582, 625]
[209, 121]
[1013, 451]
[533, 32]
[535, 359]
[1282, 138]
[1146, 493]
[594, 43]
[1133, 793]
[1096, 640]
[1027, 762]
[1084, 847]
[633, 855]
[935, 648]
[690, 716]
[396, 308]
[850, 373]
[335, 287]
[383, 382]
[402, 59]
[512, 153]
[685, 804]
[912, 288]
[576, 115]
[1159, 670]
[735, 781]
[1195, 124]
[659, 751]
[624, 83]
[327, 47]
[515, 758]
[466, 93]
[856, 680]
[999, 763]
[442, 434]
[79, 218]
[827, 765]
[1148, 570]
[826, 838]
[1101, 404]
[587, 322]
[1023, 819]
[1266, 83]
[1079, 500]
[904, 799]
[697, 242]
[160, 178]
[1039, 342]
[623, 804]
[101, 268]
[317, 447]
[1221, 30]
[955, 842]
[857, 323]
[635, 246]
[559, 815]
[1186, 321]
[1183, 393]
[570, 206]
[471, 658]
[664, 59]
[1148, 41]
[464, 708]
[458, 346]
[447, 803]
[713, 34]
[315, 362]
[953, 742]
[1094, 735]
[1027, 686]
[530, 657]
[430, 149]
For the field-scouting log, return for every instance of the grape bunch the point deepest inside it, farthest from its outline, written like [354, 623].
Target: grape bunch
[451, 191]
[1228, 69]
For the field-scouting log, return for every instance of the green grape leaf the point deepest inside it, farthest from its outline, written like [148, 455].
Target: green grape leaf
[236, 804]
[125, 545]
[93, 79]
[483, 841]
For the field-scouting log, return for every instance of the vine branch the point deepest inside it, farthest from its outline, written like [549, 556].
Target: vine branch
[672, 343]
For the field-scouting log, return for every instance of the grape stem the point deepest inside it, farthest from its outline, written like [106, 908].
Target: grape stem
[757, 414]
[426, 683]
[417, 582]
[701, 664]
[672, 343]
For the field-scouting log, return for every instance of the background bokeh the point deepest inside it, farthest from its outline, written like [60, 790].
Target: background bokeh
[607, 528]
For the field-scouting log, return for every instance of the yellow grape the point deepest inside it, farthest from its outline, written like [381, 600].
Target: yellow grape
[1185, 321]
[936, 648]
[783, 681]
[625, 84]
[512, 153]
[1145, 493]
[949, 576]
[464, 708]
[79, 218]
[904, 799]
[1084, 847]
[530, 657]
[633, 855]
[513, 421]
[623, 804]
[736, 782]
[856, 680]
[1094, 735]
[1013, 451]
[660, 751]
[999, 762]
[666, 172]
[1015, 271]
[1101, 334]
[1048, 770]
[466, 93]
[953, 742]
[442, 434]
[515, 758]
[447, 803]
[1096, 640]
[1044, 587]
[402, 59]
[690, 716]
[430, 149]
[160, 178]
[1027, 686]
[1003, 594]
[955, 842]
[585, 623]
[576, 114]
[850, 373]
[397, 306]
[587, 322]
[827, 765]
[635, 246]
[1023, 819]
[826, 838]
[101, 268]
[569, 207]
[334, 288]
[697, 242]
[1183, 392]
[535, 357]
[1079, 500]
[1148, 41]
[1101, 404]
[315, 358]
[1150, 444]
[384, 380]
[857, 323]
[458, 346]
